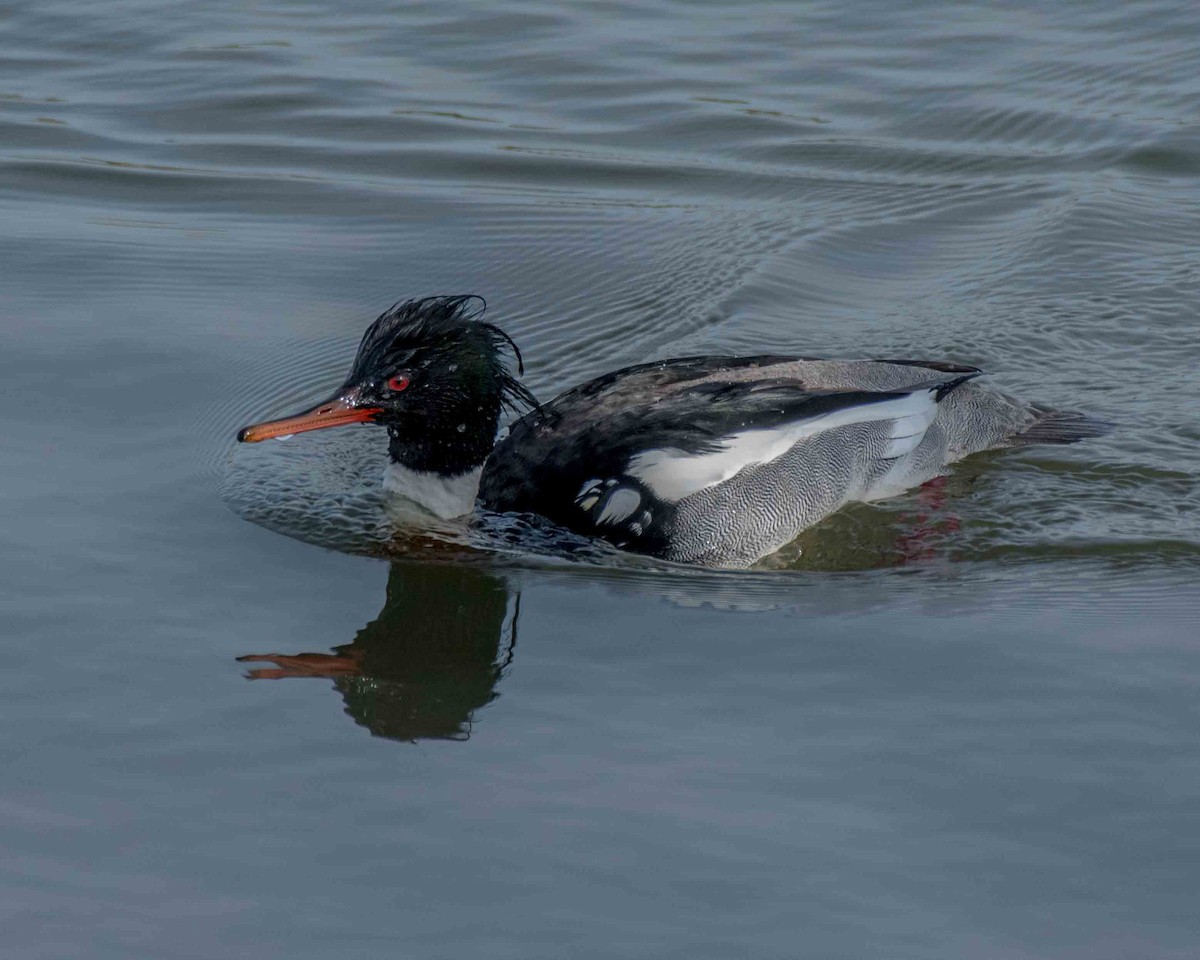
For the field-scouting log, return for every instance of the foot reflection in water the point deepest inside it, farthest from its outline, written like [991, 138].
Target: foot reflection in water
[430, 659]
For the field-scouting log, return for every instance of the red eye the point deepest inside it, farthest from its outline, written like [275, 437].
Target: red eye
[397, 384]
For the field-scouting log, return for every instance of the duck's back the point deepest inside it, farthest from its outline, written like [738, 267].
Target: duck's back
[722, 460]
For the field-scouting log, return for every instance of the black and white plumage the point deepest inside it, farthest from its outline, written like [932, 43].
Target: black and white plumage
[717, 460]
[705, 460]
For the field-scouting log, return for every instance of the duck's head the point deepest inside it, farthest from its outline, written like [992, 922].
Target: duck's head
[434, 374]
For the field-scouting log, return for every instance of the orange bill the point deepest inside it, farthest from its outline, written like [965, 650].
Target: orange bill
[331, 413]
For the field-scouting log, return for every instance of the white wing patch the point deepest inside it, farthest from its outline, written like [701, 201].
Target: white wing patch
[621, 503]
[589, 486]
[907, 432]
[674, 474]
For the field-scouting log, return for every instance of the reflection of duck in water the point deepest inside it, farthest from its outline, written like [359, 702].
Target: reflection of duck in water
[430, 659]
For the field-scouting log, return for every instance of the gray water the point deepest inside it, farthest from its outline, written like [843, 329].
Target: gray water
[962, 723]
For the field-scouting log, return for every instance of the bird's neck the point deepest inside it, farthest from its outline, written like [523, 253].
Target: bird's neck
[442, 495]
[438, 466]
[452, 434]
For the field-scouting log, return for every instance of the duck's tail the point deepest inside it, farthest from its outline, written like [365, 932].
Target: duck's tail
[1061, 426]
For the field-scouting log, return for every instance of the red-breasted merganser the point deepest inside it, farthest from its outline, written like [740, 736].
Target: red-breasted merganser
[706, 460]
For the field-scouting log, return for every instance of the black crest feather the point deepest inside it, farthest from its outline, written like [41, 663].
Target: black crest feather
[427, 322]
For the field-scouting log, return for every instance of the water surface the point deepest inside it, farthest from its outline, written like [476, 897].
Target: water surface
[950, 725]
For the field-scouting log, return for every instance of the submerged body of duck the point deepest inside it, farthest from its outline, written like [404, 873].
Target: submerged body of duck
[708, 460]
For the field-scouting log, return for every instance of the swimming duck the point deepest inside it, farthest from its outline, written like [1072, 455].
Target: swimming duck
[709, 460]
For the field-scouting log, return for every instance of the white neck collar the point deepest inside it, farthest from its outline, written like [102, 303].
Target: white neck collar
[444, 497]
